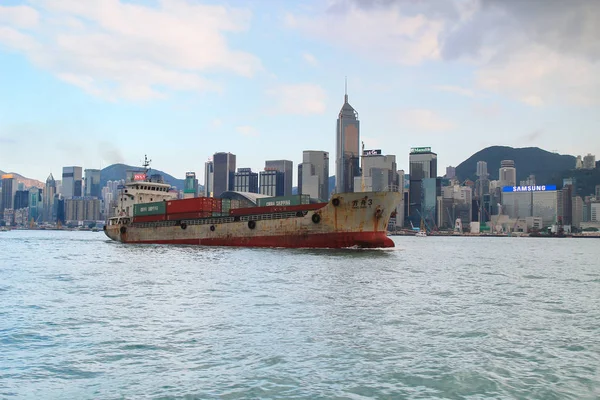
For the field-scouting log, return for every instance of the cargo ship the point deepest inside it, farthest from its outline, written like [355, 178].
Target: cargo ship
[149, 213]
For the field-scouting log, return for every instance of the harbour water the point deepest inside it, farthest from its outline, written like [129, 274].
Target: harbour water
[454, 318]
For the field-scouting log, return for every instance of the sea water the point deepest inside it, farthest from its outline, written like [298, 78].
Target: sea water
[82, 317]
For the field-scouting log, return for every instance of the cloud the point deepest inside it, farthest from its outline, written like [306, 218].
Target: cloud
[19, 16]
[299, 99]
[425, 120]
[119, 50]
[456, 89]
[537, 52]
[247, 131]
[216, 123]
[310, 59]
[406, 39]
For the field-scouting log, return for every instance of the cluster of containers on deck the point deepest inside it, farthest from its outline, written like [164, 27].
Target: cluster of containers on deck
[204, 207]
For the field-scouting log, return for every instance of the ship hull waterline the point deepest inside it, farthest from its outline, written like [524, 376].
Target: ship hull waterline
[348, 220]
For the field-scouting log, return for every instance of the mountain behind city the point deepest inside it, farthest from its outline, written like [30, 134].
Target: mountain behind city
[528, 160]
[548, 168]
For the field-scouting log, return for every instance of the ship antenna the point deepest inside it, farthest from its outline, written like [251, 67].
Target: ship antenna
[146, 165]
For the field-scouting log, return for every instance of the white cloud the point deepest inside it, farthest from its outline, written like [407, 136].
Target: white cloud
[247, 131]
[301, 99]
[425, 120]
[382, 33]
[19, 16]
[537, 76]
[456, 89]
[535, 52]
[216, 123]
[310, 59]
[122, 50]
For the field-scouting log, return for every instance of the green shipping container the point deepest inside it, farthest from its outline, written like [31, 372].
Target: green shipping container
[293, 200]
[156, 208]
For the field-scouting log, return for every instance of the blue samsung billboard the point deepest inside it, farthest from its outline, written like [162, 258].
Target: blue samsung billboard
[533, 188]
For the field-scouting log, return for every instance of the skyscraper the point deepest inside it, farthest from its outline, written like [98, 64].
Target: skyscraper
[287, 168]
[92, 183]
[314, 178]
[423, 165]
[9, 189]
[271, 182]
[72, 182]
[190, 185]
[245, 181]
[379, 173]
[224, 172]
[209, 174]
[347, 148]
[507, 173]
[482, 169]
[48, 202]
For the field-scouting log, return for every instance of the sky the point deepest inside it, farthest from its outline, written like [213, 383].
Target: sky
[96, 82]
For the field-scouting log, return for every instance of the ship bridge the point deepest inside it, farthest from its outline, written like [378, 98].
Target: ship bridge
[246, 198]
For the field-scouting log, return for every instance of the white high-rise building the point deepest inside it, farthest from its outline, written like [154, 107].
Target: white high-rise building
[508, 173]
[589, 161]
[379, 173]
[315, 174]
[482, 169]
[209, 176]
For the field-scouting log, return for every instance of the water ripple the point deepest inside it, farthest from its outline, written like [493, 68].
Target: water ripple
[446, 318]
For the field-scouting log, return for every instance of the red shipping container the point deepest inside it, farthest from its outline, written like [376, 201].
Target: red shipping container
[188, 215]
[195, 204]
[149, 218]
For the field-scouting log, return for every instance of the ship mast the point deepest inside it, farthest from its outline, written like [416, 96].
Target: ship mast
[146, 166]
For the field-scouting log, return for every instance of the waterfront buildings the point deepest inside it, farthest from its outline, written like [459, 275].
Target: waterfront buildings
[450, 172]
[313, 174]
[507, 173]
[595, 211]
[224, 173]
[286, 167]
[78, 209]
[245, 181]
[457, 203]
[209, 175]
[533, 201]
[271, 182]
[92, 183]
[48, 199]
[347, 148]
[9, 189]
[379, 173]
[190, 185]
[422, 165]
[72, 182]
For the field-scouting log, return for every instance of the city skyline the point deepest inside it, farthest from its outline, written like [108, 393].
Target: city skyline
[253, 94]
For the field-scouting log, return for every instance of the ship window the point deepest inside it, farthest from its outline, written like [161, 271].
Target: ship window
[150, 198]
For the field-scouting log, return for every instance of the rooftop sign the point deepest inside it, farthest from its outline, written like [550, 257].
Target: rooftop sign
[535, 188]
[372, 152]
[414, 150]
[7, 176]
[139, 177]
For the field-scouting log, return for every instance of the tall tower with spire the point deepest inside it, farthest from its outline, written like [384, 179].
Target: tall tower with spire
[347, 147]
